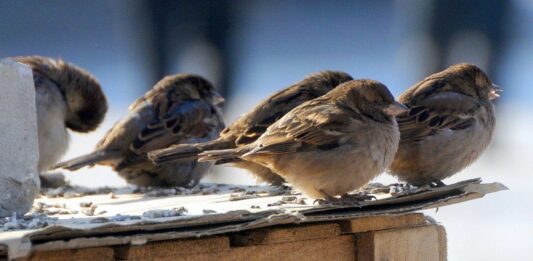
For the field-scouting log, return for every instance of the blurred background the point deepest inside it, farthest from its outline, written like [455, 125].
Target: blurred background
[250, 49]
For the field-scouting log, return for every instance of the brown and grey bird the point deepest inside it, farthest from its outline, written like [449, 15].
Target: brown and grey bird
[247, 128]
[66, 97]
[182, 108]
[331, 145]
[449, 124]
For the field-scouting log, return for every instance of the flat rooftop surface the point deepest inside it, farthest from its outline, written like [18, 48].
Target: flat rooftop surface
[75, 217]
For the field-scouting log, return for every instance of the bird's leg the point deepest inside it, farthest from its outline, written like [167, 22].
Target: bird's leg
[326, 198]
[402, 189]
[358, 197]
[437, 183]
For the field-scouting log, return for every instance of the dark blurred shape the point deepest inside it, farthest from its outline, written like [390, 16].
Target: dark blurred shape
[176, 24]
[453, 17]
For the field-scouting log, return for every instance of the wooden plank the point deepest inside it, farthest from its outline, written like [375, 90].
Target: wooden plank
[172, 249]
[331, 248]
[89, 254]
[285, 234]
[443, 244]
[373, 223]
[413, 240]
[424, 243]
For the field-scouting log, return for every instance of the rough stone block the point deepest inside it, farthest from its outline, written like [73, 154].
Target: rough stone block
[19, 147]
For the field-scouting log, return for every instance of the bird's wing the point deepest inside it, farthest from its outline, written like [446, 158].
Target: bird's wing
[172, 123]
[311, 126]
[443, 110]
[183, 120]
[255, 123]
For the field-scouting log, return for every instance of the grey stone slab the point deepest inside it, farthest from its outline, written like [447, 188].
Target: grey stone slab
[19, 147]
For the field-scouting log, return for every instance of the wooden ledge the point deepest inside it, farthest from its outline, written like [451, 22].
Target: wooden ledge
[387, 237]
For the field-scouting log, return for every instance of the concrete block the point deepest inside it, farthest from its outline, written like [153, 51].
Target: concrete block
[19, 146]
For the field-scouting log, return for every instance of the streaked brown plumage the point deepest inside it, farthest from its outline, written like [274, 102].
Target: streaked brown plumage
[450, 123]
[251, 125]
[331, 145]
[66, 96]
[179, 109]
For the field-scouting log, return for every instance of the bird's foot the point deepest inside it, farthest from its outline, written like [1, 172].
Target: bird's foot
[346, 199]
[402, 189]
[356, 198]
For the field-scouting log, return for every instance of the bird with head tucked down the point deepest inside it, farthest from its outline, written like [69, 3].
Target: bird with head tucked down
[449, 124]
[331, 145]
[182, 108]
[250, 126]
[66, 97]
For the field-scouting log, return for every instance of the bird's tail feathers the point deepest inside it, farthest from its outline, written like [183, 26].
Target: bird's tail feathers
[185, 151]
[87, 160]
[227, 155]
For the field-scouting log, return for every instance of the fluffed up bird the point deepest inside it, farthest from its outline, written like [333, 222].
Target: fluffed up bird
[449, 124]
[179, 109]
[247, 128]
[66, 97]
[331, 145]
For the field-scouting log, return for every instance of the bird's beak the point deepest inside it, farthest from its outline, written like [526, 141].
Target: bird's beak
[218, 100]
[495, 92]
[395, 109]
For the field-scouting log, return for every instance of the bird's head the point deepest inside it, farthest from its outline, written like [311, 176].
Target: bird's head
[189, 86]
[325, 81]
[370, 98]
[470, 80]
[85, 100]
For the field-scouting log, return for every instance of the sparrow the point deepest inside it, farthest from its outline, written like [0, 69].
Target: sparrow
[66, 97]
[450, 122]
[182, 108]
[331, 145]
[250, 126]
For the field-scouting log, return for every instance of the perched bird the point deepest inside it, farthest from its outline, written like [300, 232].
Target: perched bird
[66, 97]
[179, 109]
[331, 145]
[449, 124]
[251, 125]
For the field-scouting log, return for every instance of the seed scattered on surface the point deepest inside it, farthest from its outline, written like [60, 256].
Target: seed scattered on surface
[85, 204]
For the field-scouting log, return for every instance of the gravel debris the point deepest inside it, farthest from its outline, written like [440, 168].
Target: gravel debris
[209, 211]
[89, 211]
[161, 213]
[162, 192]
[241, 196]
[70, 191]
[99, 220]
[237, 189]
[119, 217]
[86, 204]
[30, 221]
[274, 204]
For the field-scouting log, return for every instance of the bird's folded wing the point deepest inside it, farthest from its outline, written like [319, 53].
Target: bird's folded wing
[307, 127]
[174, 123]
[444, 110]
[271, 110]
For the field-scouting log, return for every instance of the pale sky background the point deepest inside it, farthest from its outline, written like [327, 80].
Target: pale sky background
[275, 43]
